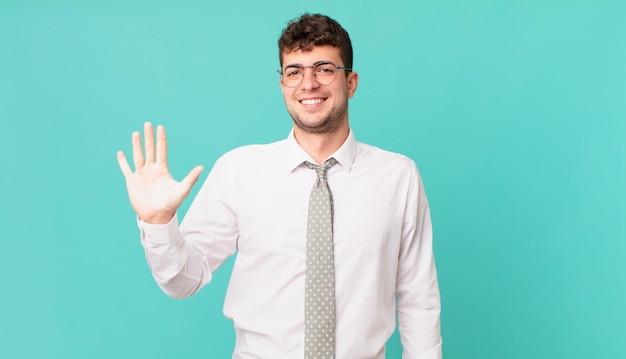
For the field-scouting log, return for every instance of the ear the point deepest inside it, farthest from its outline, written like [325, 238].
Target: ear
[282, 87]
[353, 82]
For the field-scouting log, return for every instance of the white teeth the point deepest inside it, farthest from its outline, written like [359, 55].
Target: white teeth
[312, 101]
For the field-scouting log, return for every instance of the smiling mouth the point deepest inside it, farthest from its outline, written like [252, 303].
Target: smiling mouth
[312, 101]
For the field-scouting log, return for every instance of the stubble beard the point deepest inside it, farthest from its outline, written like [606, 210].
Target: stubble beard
[327, 125]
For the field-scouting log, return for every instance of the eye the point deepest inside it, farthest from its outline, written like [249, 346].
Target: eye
[325, 69]
[292, 71]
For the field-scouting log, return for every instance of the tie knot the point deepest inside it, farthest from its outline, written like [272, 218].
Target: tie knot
[321, 169]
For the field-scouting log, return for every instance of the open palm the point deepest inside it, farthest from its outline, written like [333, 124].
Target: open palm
[154, 194]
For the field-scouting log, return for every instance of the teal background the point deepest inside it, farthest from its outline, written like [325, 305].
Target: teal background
[515, 112]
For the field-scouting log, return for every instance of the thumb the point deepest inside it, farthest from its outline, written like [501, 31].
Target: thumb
[192, 178]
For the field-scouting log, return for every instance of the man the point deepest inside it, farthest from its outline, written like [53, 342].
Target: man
[372, 241]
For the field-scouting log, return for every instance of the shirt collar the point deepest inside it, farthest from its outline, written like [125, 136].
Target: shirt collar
[296, 155]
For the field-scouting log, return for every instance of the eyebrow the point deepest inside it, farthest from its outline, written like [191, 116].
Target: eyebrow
[314, 64]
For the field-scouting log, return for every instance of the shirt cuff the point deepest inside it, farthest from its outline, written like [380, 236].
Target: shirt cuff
[433, 353]
[159, 233]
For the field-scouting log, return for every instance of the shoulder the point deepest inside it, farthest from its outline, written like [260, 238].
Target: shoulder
[391, 170]
[254, 153]
[385, 168]
[368, 154]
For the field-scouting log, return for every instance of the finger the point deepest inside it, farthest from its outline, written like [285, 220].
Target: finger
[148, 134]
[192, 178]
[161, 145]
[137, 154]
[121, 160]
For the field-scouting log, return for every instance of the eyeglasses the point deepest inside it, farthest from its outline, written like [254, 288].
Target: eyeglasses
[325, 72]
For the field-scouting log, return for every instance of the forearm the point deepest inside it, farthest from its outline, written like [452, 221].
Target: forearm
[419, 325]
[177, 267]
[418, 298]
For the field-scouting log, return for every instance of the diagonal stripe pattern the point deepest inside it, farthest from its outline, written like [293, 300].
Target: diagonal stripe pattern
[319, 295]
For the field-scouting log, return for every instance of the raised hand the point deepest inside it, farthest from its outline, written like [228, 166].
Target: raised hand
[154, 194]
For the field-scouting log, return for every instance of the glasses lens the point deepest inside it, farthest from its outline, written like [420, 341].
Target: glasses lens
[325, 72]
[292, 75]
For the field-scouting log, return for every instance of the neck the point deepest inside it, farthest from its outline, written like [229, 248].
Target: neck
[321, 145]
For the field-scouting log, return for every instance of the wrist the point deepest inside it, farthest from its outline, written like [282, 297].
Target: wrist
[158, 219]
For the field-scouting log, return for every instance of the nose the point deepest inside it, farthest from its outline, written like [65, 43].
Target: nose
[309, 81]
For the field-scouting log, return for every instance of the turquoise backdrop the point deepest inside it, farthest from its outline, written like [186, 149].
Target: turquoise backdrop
[514, 111]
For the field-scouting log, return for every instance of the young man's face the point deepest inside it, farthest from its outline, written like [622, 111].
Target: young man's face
[317, 108]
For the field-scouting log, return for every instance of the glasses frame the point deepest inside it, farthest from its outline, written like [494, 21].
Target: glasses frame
[281, 72]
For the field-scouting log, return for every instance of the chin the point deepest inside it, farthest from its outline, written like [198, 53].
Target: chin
[320, 124]
[320, 127]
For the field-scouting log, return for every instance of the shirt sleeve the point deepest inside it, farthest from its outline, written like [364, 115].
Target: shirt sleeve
[183, 258]
[418, 299]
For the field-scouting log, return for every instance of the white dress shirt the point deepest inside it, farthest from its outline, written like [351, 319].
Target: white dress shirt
[254, 203]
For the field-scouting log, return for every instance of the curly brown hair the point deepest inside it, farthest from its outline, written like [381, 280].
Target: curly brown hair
[311, 30]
